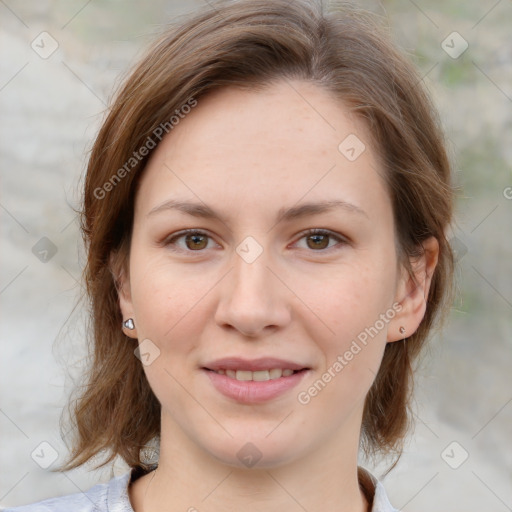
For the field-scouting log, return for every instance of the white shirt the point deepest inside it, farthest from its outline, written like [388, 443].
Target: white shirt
[113, 497]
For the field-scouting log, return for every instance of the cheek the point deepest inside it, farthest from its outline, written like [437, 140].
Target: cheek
[165, 300]
[352, 353]
[352, 314]
[351, 299]
[170, 311]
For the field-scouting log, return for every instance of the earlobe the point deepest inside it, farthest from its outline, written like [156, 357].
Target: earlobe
[125, 303]
[412, 292]
[122, 283]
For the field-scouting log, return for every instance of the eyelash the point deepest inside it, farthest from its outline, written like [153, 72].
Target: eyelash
[169, 242]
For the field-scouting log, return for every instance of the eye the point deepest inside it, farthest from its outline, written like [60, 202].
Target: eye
[194, 240]
[318, 239]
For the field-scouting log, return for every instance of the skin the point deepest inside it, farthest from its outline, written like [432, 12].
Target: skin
[247, 154]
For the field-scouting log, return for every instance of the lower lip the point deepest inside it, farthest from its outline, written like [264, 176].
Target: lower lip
[250, 391]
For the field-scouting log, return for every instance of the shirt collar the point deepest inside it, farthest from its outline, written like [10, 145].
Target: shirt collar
[374, 491]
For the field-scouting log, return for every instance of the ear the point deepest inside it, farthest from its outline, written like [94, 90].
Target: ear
[119, 268]
[411, 295]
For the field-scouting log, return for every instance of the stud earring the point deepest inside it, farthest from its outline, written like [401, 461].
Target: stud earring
[129, 324]
[402, 330]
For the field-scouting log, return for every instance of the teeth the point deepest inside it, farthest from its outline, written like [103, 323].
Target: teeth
[275, 373]
[243, 375]
[260, 375]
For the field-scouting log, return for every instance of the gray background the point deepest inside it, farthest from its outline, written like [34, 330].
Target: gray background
[51, 109]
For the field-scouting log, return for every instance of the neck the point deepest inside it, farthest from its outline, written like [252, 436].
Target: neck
[189, 479]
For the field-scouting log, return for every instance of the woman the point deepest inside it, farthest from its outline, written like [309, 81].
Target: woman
[265, 211]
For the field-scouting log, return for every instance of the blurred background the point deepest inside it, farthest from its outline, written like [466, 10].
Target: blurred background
[59, 64]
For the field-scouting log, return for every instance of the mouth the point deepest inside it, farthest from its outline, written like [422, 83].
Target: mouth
[254, 381]
[258, 376]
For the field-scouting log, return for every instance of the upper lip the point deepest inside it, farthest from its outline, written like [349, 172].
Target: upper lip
[253, 365]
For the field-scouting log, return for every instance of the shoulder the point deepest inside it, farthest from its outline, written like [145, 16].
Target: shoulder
[107, 497]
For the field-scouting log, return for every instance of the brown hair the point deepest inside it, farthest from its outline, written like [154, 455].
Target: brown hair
[251, 43]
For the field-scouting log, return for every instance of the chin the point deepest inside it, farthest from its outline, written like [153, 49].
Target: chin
[253, 452]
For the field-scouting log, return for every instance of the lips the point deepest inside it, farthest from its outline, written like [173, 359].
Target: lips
[254, 381]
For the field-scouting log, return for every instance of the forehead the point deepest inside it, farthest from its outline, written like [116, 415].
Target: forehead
[290, 141]
[287, 114]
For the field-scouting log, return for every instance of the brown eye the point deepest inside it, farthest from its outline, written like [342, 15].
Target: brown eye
[195, 241]
[319, 240]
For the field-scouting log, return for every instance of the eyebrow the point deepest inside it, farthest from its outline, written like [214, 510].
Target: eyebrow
[284, 214]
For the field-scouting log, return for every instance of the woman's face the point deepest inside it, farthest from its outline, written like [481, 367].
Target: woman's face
[249, 173]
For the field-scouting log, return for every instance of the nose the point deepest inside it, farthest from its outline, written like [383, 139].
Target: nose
[253, 299]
